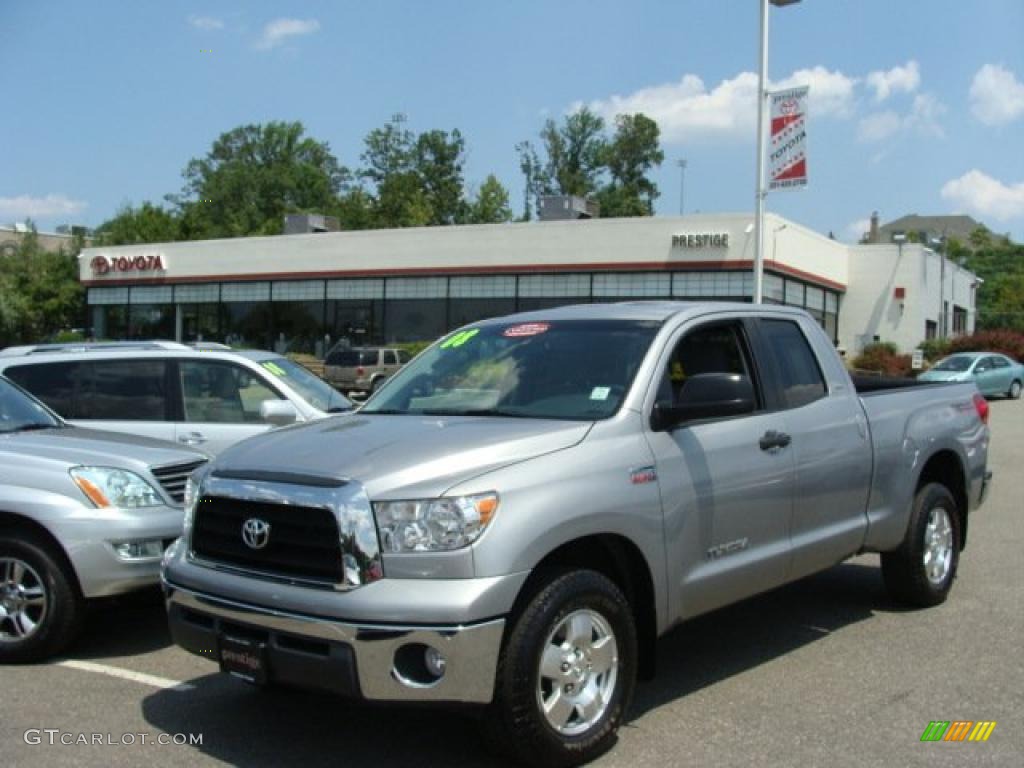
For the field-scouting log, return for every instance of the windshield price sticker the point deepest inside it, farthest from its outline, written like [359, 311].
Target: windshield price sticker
[526, 329]
[275, 369]
[460, 338]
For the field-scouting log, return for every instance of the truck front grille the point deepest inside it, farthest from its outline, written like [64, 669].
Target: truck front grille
[301, 543]
[172, 478]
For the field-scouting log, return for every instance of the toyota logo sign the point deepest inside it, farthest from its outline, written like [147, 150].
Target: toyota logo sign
[100, 265]
[255, 533]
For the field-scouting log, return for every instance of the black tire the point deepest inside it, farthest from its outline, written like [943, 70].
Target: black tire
[59, 621]
[1015, 390]
[515, 722]
[908, 576]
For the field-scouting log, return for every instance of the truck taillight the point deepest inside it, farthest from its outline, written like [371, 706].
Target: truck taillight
[981, 406]
[360, 371]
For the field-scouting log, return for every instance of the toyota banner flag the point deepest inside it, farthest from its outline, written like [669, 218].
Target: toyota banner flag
[787, 151]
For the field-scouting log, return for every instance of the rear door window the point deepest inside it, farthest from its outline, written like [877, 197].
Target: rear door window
[799, 375]
[222, 393]
[53, 383]
[124, 390]
[390, 358]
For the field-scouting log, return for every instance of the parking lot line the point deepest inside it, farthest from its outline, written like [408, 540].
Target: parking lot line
[127, 674]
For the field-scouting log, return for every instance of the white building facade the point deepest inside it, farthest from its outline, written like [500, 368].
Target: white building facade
[303, 292]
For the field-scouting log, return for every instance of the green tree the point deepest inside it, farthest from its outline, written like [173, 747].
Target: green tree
[536, 182]
[439, 159]
[39, 292]
[490, 206]
[146, 224]
[1000, 265]
[575, 152]
[252, 176]
[633, 152]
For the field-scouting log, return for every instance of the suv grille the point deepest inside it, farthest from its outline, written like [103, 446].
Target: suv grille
[172, 478]
[303, 542]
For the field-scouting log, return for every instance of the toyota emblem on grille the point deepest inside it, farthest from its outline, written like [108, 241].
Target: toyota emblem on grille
[255, 533]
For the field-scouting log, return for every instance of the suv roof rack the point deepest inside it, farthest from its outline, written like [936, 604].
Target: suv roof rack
[91, 346]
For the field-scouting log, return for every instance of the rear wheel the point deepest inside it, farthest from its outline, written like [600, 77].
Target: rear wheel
[567, 672]
[922, 570]
[40, 608]
[1015, 390]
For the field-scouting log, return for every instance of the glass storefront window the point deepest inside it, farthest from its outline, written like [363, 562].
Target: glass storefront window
[465, 311]
[151, 321]
[199, 322]
[247, 324]
[415, 319]
[359, 321]
[110, 322]
[298, 326]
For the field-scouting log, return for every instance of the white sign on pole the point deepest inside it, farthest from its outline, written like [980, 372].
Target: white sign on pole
[787, 150]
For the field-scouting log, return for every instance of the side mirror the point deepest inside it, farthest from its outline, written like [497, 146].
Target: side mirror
[706, 396]
[279, 413]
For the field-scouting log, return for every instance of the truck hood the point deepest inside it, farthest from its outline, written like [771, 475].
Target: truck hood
[73, 446]
[403, 456]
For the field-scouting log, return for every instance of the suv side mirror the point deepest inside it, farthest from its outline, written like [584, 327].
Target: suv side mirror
[279, 413]
[706, 396]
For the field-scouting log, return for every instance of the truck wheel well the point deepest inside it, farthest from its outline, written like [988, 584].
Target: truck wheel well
[945, 469]
[621, 561]
[11, 523]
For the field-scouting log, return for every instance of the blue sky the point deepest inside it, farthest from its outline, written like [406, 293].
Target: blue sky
[915, 106]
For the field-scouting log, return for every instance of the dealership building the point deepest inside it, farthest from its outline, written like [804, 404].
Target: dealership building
[303, 292]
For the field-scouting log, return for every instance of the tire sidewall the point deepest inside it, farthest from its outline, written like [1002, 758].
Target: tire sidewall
[930, 497]
[63, 607]
[1015, 390]
[577, 590]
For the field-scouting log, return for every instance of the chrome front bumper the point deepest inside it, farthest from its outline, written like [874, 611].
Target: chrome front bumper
[347, 658]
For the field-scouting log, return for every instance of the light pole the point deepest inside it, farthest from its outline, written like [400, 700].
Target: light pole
[762, 97]
[682, 184]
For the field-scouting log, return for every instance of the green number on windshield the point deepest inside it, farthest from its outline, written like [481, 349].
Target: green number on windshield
[459, 339]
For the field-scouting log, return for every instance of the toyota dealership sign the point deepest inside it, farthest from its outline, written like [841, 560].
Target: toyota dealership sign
[143, 263]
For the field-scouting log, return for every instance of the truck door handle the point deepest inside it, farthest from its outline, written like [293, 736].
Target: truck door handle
[771, 440]
[192, 438]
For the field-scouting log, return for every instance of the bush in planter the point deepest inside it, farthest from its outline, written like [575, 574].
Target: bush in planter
[883, 357]
[934, 349]
[1009, 343]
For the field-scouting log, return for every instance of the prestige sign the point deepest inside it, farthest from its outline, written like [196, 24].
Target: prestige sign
[701, 240]
[150, 262]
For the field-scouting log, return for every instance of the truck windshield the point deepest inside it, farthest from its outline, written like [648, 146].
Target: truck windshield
[313, 390]
[567, 369]
[19, 412]
[955, 363]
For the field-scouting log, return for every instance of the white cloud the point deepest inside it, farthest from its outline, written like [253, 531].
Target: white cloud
[46, 207]
[888, 81]
[979, 193]
[205, 23]
[278, 31]
[923, 118]
[857, 229]
[688, 109]
[997, 96]
[879, 126]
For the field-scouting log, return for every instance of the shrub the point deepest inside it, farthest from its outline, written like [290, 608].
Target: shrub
[883, 357]
[934, 349]
[1010, 343]
[413, 347]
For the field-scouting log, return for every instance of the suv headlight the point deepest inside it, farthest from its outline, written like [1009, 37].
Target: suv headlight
[433, 525]
[111, 487]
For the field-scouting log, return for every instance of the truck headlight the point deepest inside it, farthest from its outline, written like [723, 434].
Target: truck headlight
[433, 525]
[111, 487]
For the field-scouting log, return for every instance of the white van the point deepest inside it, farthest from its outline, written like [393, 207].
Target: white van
[207, 397]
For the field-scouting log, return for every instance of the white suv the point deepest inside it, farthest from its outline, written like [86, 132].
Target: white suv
[207, 396]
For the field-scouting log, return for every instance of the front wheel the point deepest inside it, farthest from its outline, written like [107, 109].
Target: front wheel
[1015, 389]
[567, 672]
[40, 608]
[921, 571]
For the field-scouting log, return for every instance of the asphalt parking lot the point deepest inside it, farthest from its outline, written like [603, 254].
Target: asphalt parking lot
[827, 671]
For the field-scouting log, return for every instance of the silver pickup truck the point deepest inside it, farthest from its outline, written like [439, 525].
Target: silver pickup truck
[517, 515]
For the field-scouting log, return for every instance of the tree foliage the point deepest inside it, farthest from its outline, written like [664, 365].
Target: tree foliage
[1000, 264]
[146, 224]
[579, 159]
[490, 205]
[252, 176]
[39, 291]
